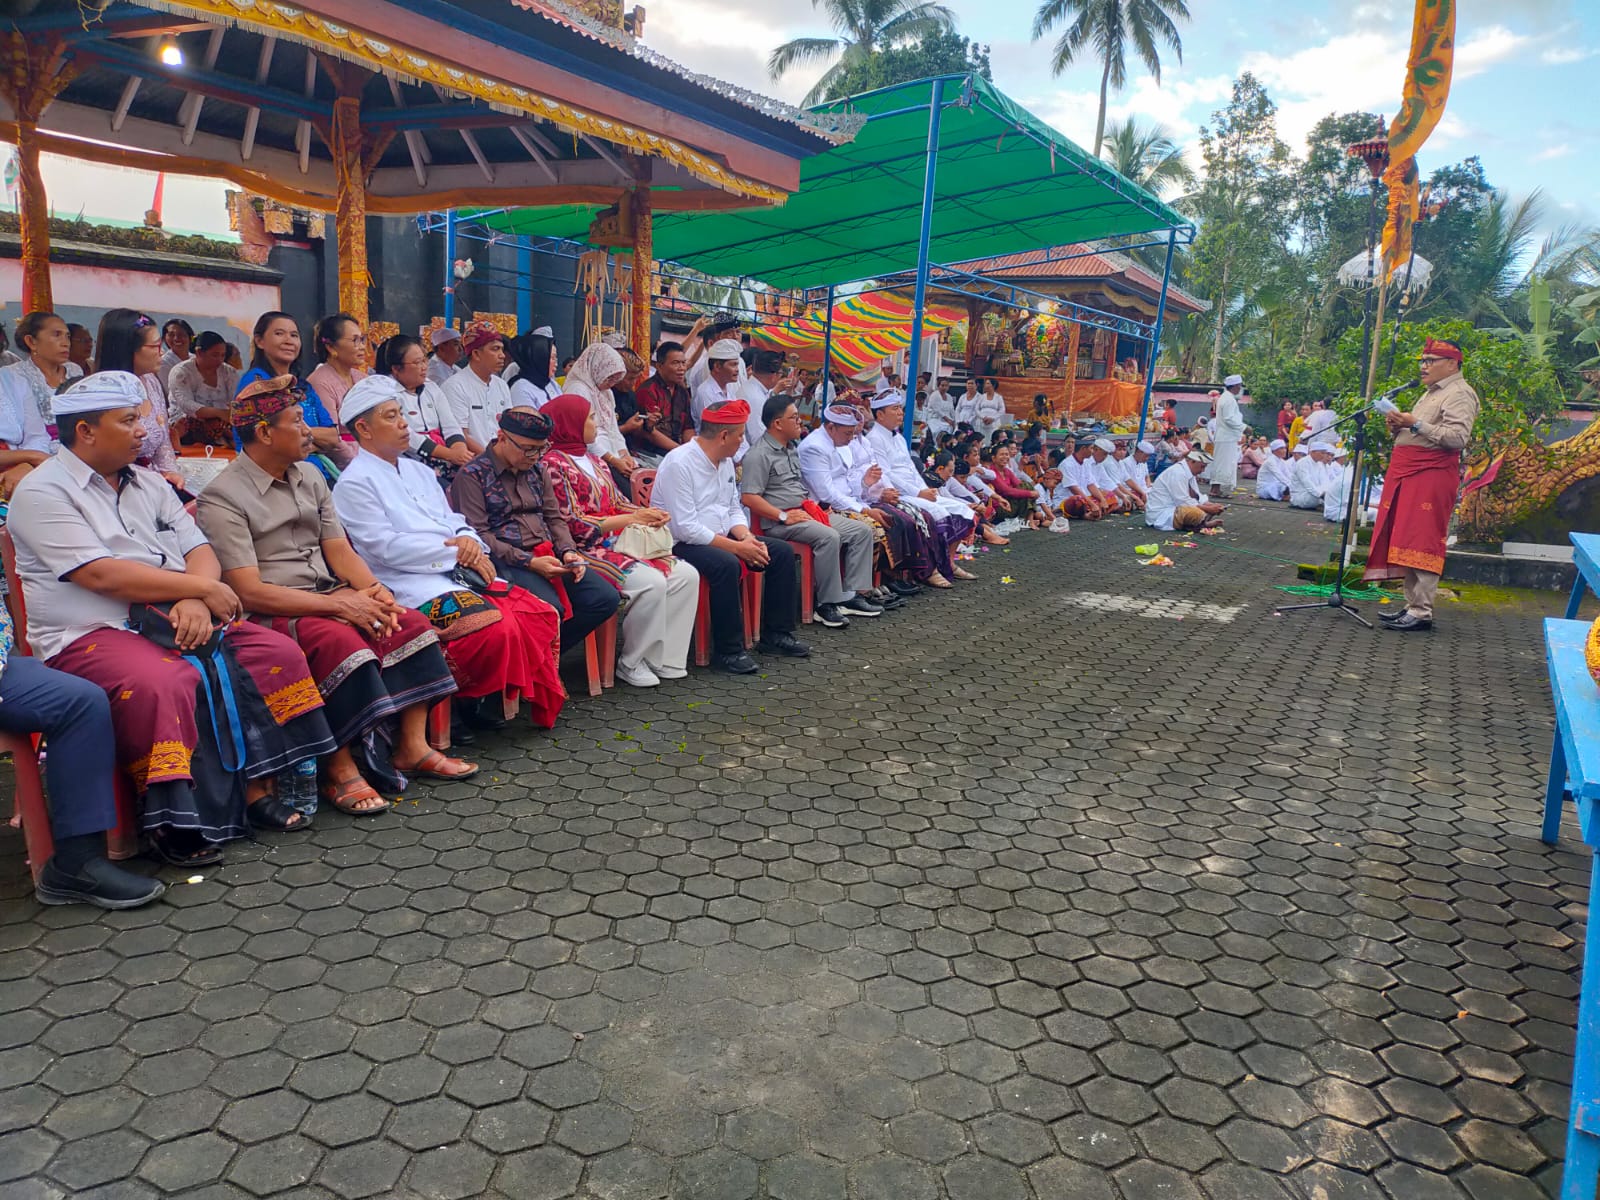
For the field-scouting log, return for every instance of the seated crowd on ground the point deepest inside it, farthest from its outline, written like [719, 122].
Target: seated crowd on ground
[434, 522]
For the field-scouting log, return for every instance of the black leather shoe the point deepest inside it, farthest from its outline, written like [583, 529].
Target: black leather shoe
[903, 589]
[1391, 618]
[1409, 623]
[461, 734]
[860, 606]
[99, 882]
[890, 602]
[737, 664]
[784, 643]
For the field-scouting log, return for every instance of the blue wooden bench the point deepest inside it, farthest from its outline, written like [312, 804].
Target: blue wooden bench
[1575, 771]
[1586, 556]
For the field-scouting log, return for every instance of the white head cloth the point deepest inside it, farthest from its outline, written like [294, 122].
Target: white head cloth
[369, 392]
[100, 392]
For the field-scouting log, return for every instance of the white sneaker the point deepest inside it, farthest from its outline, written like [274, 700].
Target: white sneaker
[640, 676]
[671, 672]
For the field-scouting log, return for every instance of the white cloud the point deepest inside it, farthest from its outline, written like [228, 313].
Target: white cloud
[1553, 152]
[1560, 56]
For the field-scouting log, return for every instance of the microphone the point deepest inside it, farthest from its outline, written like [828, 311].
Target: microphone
[1400, 387]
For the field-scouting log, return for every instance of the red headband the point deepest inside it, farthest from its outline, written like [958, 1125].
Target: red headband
[729, 412]
[1442, 350]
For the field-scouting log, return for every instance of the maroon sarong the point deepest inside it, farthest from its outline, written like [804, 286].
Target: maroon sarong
[1419, 493]
[517, 657]
[163, 721]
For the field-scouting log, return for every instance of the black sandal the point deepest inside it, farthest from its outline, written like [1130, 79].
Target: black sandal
[270, 812]
[208, 855]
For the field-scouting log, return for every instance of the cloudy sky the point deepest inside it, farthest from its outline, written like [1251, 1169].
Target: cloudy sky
[1525, 71]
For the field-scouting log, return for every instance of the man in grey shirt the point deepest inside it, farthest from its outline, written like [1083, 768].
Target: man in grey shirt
[772, 489]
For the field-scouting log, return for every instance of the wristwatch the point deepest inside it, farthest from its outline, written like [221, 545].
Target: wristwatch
[783, 516]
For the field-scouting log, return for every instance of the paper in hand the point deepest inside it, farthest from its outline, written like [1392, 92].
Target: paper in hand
[1386, 407]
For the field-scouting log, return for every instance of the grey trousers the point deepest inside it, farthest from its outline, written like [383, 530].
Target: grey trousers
[1420, 589]
[842, 554]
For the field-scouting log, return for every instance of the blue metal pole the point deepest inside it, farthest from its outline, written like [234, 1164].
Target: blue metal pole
[914, 363]
[1155, 336]
[827, 356]
[524, 285]
[449, 267]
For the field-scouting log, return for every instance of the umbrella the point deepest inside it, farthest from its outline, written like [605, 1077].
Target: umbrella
[1415, 278]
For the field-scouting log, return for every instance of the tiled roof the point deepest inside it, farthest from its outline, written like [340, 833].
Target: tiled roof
[837, 128]
[1096, 264]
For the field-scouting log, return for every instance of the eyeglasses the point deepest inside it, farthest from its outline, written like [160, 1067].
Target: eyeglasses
[1427, 360]
[533, 450]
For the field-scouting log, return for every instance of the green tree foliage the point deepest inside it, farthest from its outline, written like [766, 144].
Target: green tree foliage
[1105, 30]
[1275, 226]
[1242, 208]
[1519, 394]
[865, 28]
[936, 54]
[1148, 155]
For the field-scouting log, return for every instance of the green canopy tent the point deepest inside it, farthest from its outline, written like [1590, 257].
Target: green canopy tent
[943, 170]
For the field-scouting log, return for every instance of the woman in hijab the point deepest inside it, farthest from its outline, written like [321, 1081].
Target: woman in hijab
[660, 595]
[596, 371]
[534, 356]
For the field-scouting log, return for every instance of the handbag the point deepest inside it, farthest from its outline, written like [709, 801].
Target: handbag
[644, 542]
[211, 660]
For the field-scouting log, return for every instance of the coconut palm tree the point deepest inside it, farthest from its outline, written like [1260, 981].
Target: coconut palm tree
[865, 28]
[1109, 26]
[1148, 156]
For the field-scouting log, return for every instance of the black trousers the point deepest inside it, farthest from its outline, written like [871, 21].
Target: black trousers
[593, 600]
[719, 570]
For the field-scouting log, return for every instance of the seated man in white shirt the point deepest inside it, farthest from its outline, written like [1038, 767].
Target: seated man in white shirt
[1135, 481]
[719, 385]
[949, 522]
[1175, 500]
[1078, 494]
[446, 356]
[695, 485]
[397, 519]
[1272, 481]
[1117, 496]
[476, 393]
[837, 473]
[1336, 496]
[1308, 481]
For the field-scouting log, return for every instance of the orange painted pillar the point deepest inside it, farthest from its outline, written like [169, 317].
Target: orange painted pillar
[30, 77]
[643, 269]
[350, 212]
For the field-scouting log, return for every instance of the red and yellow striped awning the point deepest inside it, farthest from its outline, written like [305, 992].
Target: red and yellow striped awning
[866, 330]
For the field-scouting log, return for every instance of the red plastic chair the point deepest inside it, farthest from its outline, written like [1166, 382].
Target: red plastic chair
[644, 483]
[600, 656]
[752, 582]
[31, 810]
[808, 568]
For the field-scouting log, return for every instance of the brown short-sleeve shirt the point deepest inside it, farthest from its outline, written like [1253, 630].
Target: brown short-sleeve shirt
[275, 525]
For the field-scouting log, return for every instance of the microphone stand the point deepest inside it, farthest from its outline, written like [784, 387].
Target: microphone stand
[1336, 600]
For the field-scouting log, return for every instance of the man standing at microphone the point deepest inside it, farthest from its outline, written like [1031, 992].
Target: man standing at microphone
[1419, 490]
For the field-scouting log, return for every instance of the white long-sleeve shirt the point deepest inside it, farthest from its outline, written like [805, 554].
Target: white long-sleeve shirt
[889, 450]
[1173, 489]
[1272, 481]
[1337, 496]
[397, 519]
[832, 474]
[699, 495]
[1308, 483]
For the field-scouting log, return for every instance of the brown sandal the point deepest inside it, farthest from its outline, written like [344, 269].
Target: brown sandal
[429, 767]
[349, 795]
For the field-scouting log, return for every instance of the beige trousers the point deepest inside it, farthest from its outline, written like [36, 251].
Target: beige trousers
[1420, 589]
